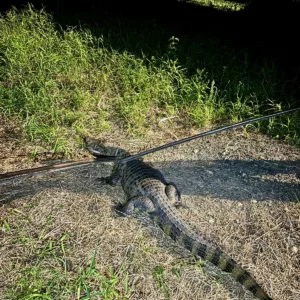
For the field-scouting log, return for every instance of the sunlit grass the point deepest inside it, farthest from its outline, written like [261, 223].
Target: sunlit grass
[220, 4]
[62, 83]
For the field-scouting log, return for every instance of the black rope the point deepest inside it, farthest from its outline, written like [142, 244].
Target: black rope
[224, 128]
[54, 168]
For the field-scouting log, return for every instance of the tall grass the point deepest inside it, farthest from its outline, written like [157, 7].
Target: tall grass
[61, 83]
[220, 4]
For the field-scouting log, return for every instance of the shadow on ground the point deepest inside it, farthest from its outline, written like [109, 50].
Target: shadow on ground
[236, 180]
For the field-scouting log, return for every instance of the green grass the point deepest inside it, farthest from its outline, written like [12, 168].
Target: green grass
[46, 280]
[220, 4]
[49, 274]
[158, 273]
[61, 83]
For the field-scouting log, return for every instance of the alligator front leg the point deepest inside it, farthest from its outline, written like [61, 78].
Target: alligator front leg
[113, 179]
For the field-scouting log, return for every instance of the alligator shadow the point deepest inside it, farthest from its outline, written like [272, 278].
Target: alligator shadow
[236, 180]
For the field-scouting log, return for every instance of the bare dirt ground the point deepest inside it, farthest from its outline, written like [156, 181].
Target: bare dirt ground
[241, 190]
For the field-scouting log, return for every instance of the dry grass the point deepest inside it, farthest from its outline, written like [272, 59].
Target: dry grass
[52, 226]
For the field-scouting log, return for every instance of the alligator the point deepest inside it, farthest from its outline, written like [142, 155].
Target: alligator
[148, 192]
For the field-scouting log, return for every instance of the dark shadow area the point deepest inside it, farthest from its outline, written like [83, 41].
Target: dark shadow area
[81, 180]
[235, 180]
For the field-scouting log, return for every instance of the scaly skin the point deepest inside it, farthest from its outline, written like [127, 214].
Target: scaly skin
[148, 192]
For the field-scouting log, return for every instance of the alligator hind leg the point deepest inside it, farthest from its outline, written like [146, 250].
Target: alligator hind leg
[138, 204]
[173, 194]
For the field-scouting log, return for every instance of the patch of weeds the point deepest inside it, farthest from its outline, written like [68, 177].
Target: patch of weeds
[42, 277]
[286, 126]
[53, 80]
[199, 263]
[60, 205]
[49, 273]
[16, 211]
[34, 153]
[5, 225]
[176, 272]
[158, 274]
[108, 282]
